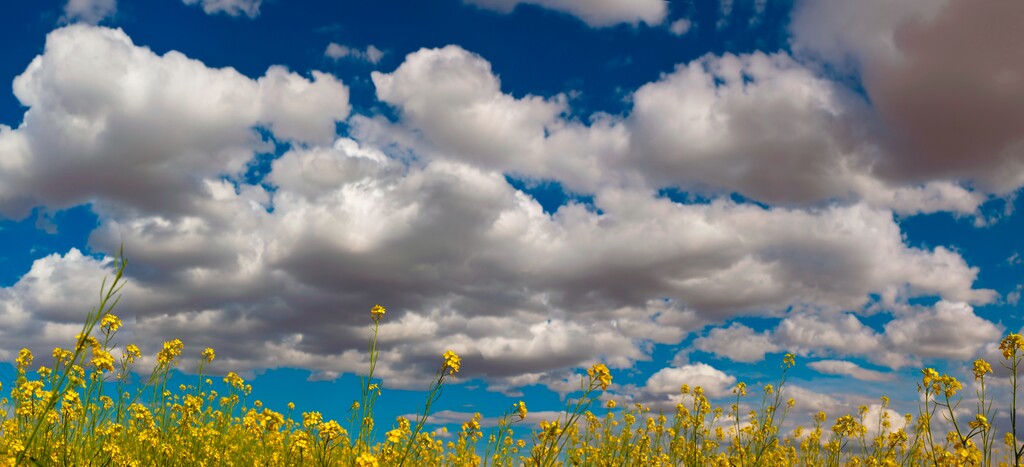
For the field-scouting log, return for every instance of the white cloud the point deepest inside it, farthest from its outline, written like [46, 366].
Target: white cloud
[370, 54]
[806, 333]
[846, 368]
[96, 102]
[714, 126]
[1013, 297]
[667, 381]
[597, 13]
[250, 8]
[452, 96]
[771, 129]
[300, 110]
[947, 330]
[738, 343]
[680, 26]
[89, 11]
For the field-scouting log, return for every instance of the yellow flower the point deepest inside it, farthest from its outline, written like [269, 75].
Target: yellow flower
[788, 360]
[394, 436]
[521, 410]
[473, 424]
[377, 312]
[599, 373]
[929, 374]
[366, 460]
[110, 322]
[1011, 344]
[132, 352]
[170, 351]
[980, 422]
[741, 389]
[208, 355]
[234, 380]
[312, 419]
[610, 404]
[980, 368]
[24, 358]
[332, 430]
[452, 362]
[102, 360]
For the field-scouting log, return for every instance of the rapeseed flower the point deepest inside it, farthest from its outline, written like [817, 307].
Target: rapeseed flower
[235, 381]
[377, 312]
[24, 359]
[172, 349]
[110, 323]
[102, 360]
[366, 460]
[599, 373]
[132, 352]
[452, 362]
[521, 409]
[1011, 344]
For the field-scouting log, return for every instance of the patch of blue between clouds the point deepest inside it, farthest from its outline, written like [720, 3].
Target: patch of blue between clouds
[40, 234]
[993, 246]
[551, 194]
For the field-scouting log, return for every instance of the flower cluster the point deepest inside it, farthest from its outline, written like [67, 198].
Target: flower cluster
[452, 362]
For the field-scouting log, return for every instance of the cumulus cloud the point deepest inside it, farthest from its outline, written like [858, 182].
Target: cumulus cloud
[771, 129]
[737, 342]
[370, 54]
[806, 332]
[452, 96]
[597, 13]
[89, 11]
[663, 387]
[846, 368]
[249, 8]
[298, 109]
[97, 102]
[949, 330]
[712, 126]
[946, 330]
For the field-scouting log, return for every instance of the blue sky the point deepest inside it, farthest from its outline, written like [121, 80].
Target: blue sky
[682, 190]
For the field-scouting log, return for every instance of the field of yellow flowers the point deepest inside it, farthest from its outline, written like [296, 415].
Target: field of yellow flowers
[78, 410]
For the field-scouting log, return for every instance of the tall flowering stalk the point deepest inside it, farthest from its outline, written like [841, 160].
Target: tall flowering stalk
[551, 440]
[451, 365]
[109, 297]
[981, 420]
[370, 390]
[1011, 348]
